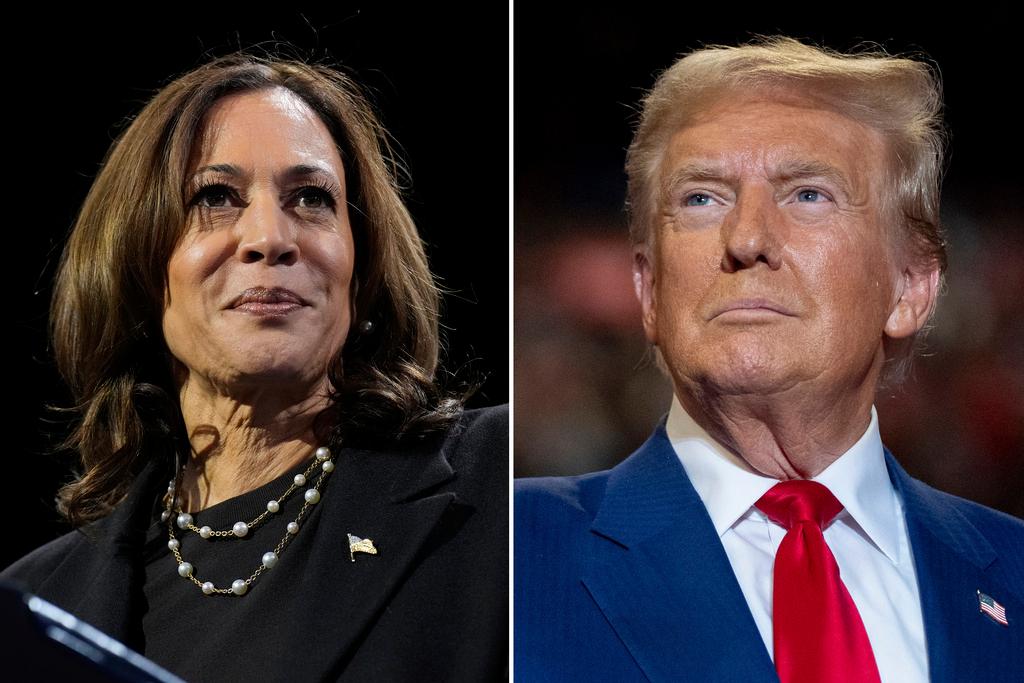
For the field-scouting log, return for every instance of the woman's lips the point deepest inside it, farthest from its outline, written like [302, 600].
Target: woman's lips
[267, 301]
[259, 308]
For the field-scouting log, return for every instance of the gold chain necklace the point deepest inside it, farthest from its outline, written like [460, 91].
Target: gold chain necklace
[321, 460]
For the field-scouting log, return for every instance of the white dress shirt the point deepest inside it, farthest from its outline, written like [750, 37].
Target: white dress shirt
[868, 538]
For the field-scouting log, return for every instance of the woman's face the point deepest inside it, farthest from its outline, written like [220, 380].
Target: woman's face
[259, 285]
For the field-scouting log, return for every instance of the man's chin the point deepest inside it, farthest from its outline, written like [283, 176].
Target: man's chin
[737, 376]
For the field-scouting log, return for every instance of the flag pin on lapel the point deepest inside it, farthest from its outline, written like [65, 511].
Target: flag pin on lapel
[360, 545]
[993, 609]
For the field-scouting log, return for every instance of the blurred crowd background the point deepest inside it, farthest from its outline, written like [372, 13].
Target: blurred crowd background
[586, 390]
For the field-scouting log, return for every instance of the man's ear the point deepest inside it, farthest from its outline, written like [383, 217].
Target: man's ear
[643, 283]
[917, 292]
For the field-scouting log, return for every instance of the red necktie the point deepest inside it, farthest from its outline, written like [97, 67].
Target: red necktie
[818, 634]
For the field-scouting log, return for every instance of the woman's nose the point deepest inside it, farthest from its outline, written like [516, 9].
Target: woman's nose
[752, 232]
[267, 233]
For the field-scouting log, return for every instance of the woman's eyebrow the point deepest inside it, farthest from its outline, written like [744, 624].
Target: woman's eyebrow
[296, 171]
[226, 169]
[306, 170]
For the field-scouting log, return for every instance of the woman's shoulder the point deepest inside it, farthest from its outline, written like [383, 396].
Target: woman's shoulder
[50, 570]
[476, 449]
[32, 570]
[483, 424]
[480, 435]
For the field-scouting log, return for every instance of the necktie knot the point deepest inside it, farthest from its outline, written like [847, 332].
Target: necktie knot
[817, 630]
[799, 500]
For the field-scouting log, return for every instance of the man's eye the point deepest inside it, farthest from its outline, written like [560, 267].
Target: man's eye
[697, 199]
[809, 196]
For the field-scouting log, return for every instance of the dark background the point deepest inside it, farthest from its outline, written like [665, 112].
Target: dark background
[71, 83]
[586, 394]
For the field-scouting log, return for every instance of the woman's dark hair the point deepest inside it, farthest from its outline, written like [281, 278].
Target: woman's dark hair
[109, 294]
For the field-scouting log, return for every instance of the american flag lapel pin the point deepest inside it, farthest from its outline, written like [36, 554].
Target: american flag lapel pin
[993, 609]
[360, 545]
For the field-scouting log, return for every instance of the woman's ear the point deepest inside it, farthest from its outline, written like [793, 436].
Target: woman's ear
[353, 303]
[917, 293]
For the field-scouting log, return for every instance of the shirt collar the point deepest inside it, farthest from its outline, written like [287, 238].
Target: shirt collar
[729, 486]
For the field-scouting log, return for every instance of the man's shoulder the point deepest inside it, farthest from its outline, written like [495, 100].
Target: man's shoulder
[1004, 525]
[576, 500]
[559, 500]
[945, 513]
[553, 519]
[1000, 527]
[989, 520]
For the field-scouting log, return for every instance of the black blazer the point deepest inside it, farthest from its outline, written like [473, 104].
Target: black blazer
[433, 605]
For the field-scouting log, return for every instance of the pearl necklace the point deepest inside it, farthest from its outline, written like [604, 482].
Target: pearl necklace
[322, 460]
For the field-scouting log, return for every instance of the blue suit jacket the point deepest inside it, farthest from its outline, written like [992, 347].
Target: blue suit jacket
[620, 576]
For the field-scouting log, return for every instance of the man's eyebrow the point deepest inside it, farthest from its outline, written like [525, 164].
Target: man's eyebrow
[805, 169]
[693, 171]
[700, 171]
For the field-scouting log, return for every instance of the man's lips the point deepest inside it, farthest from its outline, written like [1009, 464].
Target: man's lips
[267, 299]
[751, 307]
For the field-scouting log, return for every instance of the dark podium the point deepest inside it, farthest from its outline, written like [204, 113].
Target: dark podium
[42, 642]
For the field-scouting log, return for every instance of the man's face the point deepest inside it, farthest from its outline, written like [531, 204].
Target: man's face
[771, 266]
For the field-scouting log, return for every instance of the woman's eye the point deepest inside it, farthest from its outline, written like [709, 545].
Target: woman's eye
[698, 199]
[212, 196]
[314, 198]
[809, 196]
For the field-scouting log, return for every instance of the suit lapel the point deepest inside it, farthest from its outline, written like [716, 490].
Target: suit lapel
[661, 577]
[113, 600]
[399, 501]
[954, 561]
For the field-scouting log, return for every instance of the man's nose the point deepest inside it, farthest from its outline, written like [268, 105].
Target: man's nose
[266, 233]
[752, 232]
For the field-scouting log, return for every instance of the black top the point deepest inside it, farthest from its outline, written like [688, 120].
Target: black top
[431, 605]
[180, 618]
